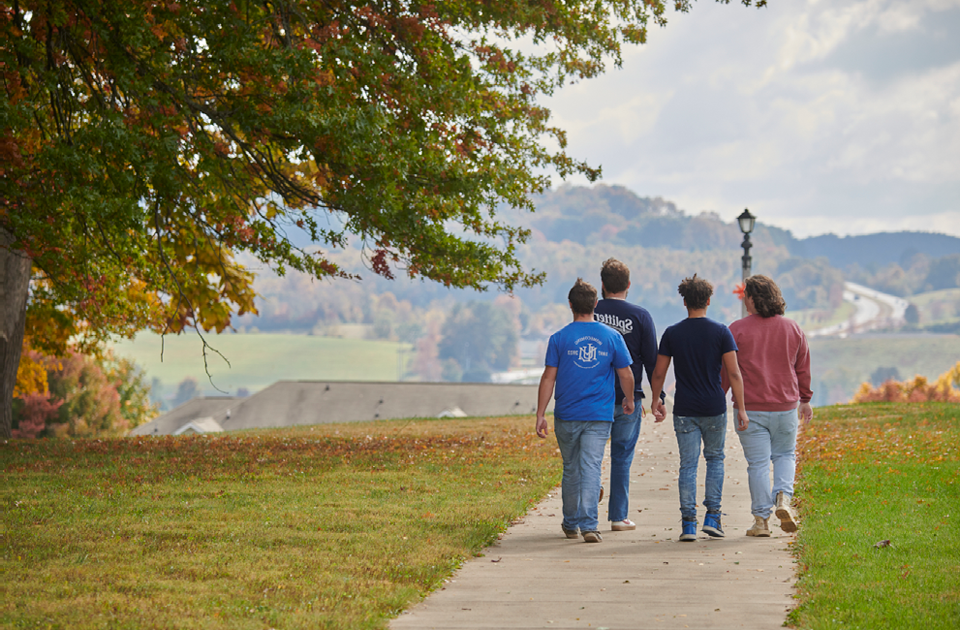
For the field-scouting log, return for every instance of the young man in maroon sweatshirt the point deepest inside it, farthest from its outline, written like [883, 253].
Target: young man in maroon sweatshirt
[774, 362]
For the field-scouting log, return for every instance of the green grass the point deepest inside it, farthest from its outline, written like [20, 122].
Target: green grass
[258, 360]
[871, 473]
[937, 306]
[335, 526]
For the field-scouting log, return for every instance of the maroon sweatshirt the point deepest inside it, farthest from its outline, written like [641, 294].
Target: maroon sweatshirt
[774, 360]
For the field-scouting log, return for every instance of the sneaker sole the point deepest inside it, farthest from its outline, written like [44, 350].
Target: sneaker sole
[622, 528]
[688, 537]
[787, 523]
[713, 532]
[761, 534]
[592, 537]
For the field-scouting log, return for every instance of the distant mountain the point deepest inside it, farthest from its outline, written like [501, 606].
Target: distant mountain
[875, 249]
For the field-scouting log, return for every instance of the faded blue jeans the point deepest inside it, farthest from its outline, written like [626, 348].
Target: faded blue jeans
[623, 444]
[581, 446]
[712, 431]
[770, 436]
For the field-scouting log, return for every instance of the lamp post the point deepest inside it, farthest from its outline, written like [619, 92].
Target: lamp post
[746, 221]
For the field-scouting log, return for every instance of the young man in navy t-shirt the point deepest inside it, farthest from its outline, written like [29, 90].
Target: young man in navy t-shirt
[699, 347]
[639, 333]
[582, 361]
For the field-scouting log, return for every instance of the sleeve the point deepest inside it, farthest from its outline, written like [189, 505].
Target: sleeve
[648, 347]
[664, 348]
[622, 356]
[728, 343]
[802, 369]
[553, 352]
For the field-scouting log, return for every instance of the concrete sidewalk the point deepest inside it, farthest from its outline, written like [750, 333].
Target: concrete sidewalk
[536, 578]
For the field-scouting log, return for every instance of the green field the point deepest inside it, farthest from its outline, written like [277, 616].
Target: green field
[937, 306]
[257, 361]
[840, 365]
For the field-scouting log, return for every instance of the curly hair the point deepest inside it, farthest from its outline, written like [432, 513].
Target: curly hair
[615, 276]
[582, 297]
[766, 296]
[696, 292]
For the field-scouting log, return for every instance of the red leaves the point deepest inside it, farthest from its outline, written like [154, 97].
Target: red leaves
[379, 264]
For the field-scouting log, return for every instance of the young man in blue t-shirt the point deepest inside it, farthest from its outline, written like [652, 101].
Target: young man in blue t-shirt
[700, 347]
[582, 361]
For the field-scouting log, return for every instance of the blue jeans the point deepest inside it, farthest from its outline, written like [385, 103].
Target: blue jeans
[712, 430]
[581, 445]
[770, 436]
[623, 444]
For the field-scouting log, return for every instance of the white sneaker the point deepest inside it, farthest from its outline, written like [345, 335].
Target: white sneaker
[761, 527]
[624, 525]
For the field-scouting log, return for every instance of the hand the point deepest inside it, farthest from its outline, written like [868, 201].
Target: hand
[628, 406]
[742, 420]
[805, 413]
[543, 429]
[659, 410]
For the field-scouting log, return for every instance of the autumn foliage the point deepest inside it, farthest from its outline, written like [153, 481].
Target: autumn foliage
[79, 396]
[945, 389]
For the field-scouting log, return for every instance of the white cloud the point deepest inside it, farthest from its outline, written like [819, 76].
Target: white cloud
[838, 116]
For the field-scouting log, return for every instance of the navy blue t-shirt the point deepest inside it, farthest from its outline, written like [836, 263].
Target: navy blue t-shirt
[697, 346]
[636, 326]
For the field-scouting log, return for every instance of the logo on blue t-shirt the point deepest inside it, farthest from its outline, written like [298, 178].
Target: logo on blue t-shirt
[587, 352]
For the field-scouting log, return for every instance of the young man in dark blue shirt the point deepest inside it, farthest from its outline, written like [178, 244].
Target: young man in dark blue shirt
[640, 335]
[699, 347]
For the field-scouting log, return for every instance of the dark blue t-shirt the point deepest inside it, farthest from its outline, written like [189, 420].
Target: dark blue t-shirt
[697, 346]
[586, 355]
[636, 326]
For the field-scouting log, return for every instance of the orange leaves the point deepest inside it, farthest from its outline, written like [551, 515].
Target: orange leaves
[915, 391]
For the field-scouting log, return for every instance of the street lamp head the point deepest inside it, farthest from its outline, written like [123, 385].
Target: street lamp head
[746, 221]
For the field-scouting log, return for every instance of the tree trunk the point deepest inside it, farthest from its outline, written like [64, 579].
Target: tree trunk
[14, 284]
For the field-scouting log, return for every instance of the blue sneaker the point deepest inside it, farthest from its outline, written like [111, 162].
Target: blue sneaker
[711, 525]
[689, 531]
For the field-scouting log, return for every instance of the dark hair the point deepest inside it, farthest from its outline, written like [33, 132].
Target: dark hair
[583, 297]
[614, 276]
[696, 292]
[766, 296]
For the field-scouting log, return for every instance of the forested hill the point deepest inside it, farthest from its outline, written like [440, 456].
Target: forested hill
[575, 229]
[879, 249]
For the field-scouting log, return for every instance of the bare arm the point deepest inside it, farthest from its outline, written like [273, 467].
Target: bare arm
[626, 384]
[656, 386]
[736, 384]
[547, 383]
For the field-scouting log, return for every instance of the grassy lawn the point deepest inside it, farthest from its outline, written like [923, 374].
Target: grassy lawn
[879, 496]
[260, 360]
[334, 526]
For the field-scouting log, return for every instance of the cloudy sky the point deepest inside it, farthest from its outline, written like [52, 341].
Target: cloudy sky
[820, 116]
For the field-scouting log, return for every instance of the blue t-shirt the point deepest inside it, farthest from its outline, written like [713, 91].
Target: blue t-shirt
[697, 346]
[586, 355]
[639, 333]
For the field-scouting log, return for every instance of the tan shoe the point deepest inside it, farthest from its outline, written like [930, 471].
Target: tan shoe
[761, 527]
[788, 521]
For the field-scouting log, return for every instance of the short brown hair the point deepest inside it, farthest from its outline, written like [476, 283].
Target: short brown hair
[696, 292]
[766, 296]
[614, 276]
[583, 297]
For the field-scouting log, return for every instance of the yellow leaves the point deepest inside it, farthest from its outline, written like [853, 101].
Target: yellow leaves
[917, 390]
[31, 374]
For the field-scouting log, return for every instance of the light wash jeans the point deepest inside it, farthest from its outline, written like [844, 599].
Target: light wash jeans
[623, 444]
[581, 445]
[770, 436]
[712, 431]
